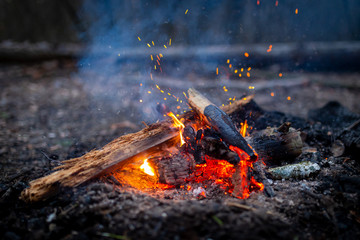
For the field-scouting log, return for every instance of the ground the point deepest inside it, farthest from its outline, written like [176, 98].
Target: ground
[52, 111]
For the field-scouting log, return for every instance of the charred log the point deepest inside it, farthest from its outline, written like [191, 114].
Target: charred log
[220, 121]
[276, 145]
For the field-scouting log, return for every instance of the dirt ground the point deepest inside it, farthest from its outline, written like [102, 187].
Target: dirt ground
[52, 111]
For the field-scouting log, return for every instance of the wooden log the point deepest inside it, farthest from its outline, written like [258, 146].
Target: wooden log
[220, 121]
[118, 152]
[150, 140]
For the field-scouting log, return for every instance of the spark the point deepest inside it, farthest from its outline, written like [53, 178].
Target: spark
[153, 43]
[276, 3]
[139, 39]
[272, 94]
[140, 100]
[258, 2]
[149, 92]
[240, 75]
[170, 42]
[280, 74]
[161, 55]
[288, 98]
[230, 66]
[151, 56]
[270, 48]
[246, 54]
[296, 11]
[235, 71]
[228, 61]
[165, 46]
[186, 11]
[249, 68]
[248, 74]
[217, 71]
[148, 45]
[242, 69]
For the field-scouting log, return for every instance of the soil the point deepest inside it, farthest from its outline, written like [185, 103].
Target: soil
[52, 111]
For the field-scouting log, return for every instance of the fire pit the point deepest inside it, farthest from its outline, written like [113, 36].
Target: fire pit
[103, 135]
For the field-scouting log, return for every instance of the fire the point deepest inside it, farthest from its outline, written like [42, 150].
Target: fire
[178, 124]
[146, 168]
[244, 127]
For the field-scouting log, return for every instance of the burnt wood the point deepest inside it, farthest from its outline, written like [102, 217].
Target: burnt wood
[220, 121]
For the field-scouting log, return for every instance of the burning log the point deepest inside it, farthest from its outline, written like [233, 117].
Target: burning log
[220, 121]
[97, 162]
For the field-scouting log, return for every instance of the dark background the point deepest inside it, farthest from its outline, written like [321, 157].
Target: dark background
[207, 22]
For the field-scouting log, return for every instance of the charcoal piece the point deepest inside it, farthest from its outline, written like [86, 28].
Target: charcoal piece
[218, 149]
[274, 147]
[189, 137]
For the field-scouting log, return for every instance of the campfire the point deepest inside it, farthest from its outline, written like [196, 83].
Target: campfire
[201, 153]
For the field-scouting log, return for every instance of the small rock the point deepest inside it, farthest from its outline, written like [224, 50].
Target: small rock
[298, 171]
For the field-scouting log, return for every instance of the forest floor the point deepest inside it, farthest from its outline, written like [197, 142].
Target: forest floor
[52, 111]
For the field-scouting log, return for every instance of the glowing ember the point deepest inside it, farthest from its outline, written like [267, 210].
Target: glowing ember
[178, 124]
[146, 168]
[218, 171]
[247, 185]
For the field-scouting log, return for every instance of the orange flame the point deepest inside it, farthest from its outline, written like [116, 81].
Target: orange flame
[146, 168]
[244, 127]
[178, 124]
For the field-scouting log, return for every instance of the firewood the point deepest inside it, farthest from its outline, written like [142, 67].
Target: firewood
[114, 155]
[118, 152]
[220, 121]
